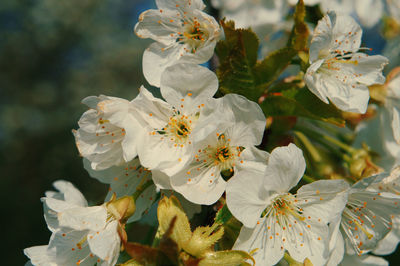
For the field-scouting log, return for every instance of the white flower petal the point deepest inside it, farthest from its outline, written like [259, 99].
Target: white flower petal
[70, 248]
[246, 197]
[308, 240]
[184, 4]
[335, 33]
[83, 218]
[161, 180]
[324, 199]
[387, 245]
[366, 69]
[152, 111]
[106, 243]
[157, 153]
[158, 25]
[269, 251]
[203, 186]
[156, 58]
[347, 97]
[286, 167]
[249, 115]
[315, 81]
[337, 253]
[70, 193]
[189, 85]
[38, 256]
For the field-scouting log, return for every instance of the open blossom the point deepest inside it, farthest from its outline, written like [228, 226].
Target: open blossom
[81, 235]
[275, 220]
[366, 219]
[339, 71]
[172, 126]
[227, 151]
[391, 184]
[108, 132]
[183, 33]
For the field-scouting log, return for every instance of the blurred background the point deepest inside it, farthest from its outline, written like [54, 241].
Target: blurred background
[52, 55]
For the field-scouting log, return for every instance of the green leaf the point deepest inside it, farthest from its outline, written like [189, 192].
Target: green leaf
[269, 69]
[239, 72]
[231, 227]
[299, 36]
[301, 102]
[223, 215]
[237, 55]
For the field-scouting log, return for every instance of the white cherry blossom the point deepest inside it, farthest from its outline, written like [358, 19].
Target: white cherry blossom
[183, 33]
[226, 152]
[366, 219]
[108, 132]
[275, 220]
[81, 235]
[339, 71]
[391, 184]
[172, 126]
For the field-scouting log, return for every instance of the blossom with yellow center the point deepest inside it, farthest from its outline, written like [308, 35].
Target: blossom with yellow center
[174, 125]
[183, 33]
[275, 220]
[339, 71]
[227, 151]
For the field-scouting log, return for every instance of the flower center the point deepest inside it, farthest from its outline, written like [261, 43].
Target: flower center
[178, 128]
[363, 219]
[284, 209]
[223, 156]
[194, 34]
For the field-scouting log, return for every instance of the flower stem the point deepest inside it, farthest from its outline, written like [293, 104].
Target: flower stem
[309, 146]
[308, 179]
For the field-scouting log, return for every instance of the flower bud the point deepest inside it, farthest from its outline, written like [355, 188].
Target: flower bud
[121, 208]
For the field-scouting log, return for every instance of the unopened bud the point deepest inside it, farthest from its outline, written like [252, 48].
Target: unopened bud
[361, 165]
[122, 208]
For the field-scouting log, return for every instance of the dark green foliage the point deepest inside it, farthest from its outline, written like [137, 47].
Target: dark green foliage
[302, 103]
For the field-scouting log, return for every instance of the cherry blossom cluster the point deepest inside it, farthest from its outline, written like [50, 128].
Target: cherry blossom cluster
[204, 149]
